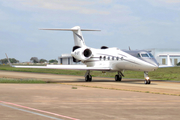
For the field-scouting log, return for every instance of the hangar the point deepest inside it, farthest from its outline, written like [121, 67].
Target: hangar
[66, 59]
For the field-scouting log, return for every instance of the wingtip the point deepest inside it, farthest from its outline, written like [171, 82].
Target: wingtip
[8, 60]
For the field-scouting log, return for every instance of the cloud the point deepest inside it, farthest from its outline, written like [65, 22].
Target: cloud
[79, 6]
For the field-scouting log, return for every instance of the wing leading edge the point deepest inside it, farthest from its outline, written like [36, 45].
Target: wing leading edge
[68, 67]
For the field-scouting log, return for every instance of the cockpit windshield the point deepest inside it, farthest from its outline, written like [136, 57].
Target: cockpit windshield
[144, 55]
[151, 55]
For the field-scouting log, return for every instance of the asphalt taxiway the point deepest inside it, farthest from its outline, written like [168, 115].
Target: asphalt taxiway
[70, 98]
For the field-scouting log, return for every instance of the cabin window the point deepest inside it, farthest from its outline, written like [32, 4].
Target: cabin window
[108, 58]
[117, 58]
[104, 57]
[144, 55]
[100, 57]
[112, 58]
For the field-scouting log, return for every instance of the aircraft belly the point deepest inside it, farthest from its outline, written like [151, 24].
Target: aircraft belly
[124, 65]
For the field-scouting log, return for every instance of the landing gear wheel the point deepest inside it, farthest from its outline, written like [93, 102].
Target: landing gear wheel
[118, 78]
[147, 82]
[88, 78]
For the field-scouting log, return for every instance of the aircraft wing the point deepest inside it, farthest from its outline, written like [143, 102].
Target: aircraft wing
[166, 66]
[67, 67]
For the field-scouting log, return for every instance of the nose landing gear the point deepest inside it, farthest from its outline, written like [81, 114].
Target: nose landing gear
[147, 79]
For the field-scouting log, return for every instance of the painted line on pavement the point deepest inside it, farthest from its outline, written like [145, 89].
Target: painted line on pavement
[29, 111]
[39, 110]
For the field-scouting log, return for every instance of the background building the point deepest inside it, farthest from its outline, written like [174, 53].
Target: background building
[66, 59]
[161, 55]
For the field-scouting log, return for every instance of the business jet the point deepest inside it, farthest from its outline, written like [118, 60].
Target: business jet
[105, 59]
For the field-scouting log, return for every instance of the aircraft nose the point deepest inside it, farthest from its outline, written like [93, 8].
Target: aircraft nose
[155, 63]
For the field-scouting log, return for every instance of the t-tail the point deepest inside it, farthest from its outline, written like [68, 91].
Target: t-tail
[78, 37]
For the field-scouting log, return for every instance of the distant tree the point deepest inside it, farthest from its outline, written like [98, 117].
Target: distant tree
[12, 60]
[42, 60]
[53, 61]
[34, 59]
[4, 61]
[178, 64]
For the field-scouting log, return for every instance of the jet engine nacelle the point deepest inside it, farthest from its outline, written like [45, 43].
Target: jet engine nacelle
[82, 54]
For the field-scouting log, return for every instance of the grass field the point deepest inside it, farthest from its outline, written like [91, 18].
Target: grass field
[29, 81]
[159, 74]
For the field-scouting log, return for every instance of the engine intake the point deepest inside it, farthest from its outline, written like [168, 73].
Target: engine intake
[82, 54]
[87, 52]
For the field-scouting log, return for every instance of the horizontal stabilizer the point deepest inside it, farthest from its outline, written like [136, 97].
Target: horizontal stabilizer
[72, 29]
[78, 37]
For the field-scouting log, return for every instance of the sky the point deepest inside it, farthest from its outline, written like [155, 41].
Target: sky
[140, 24]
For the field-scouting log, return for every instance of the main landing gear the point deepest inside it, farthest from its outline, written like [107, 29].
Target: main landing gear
[118, 77]
[88, 77]
[147, 79]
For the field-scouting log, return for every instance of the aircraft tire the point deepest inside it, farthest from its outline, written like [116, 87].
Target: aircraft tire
[88, 78]
[116, 77]
[145, 82]
[120, 78]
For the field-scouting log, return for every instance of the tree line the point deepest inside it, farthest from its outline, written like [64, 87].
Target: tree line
[33, 60]
[36, 60]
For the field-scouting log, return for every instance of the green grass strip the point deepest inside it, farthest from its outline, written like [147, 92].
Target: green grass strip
[159, 74]
[29, 81]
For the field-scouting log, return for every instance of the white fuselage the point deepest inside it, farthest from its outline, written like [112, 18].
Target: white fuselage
[117, 60]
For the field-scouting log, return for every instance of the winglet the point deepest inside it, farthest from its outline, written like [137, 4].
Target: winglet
[168, 60]
[9, 61]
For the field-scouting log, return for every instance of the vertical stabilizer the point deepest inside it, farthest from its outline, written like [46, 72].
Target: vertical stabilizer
[78, 38]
